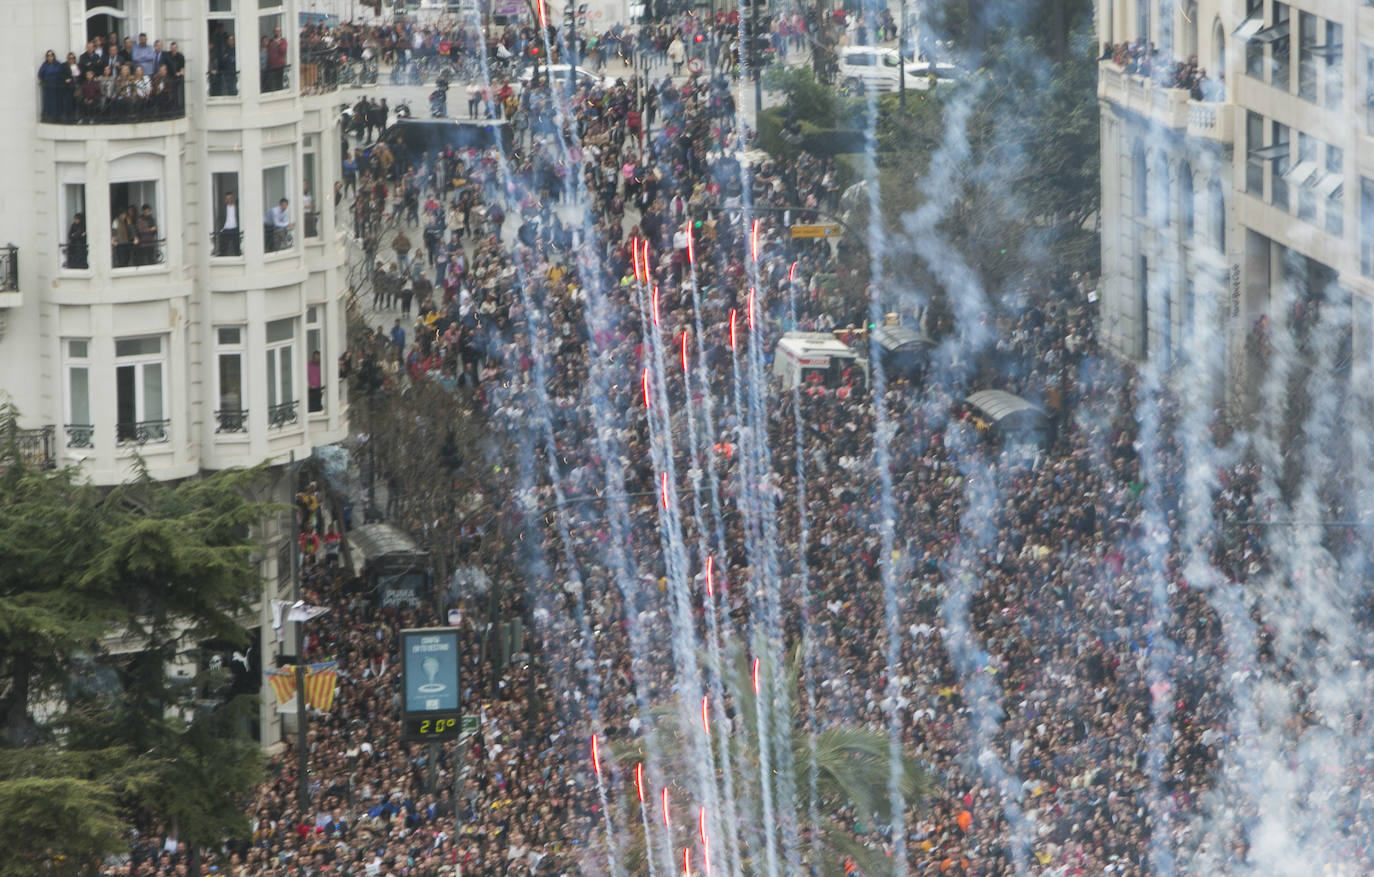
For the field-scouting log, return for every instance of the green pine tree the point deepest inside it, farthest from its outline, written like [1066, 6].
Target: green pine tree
[165, 568]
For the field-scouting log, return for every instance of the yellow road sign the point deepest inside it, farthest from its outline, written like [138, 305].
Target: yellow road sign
[827, 230]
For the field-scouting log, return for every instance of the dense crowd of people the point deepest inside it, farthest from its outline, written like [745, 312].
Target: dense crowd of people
[1033, 587]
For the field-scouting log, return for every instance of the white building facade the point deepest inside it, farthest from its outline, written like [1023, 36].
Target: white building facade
[1221, 206]
[212, 342]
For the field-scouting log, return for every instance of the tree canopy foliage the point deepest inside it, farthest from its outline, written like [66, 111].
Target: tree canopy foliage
[90, 734]
[997, 171]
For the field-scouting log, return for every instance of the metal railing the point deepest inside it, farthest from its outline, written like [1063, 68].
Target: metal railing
[273, 79]
[224, 83]
[76, 257]
[80, 435]
[226, 243]
[139, 255]
[319, 71]
[143, 431]
[110, 100]
[281, 415]
[9, 268]
[231, 420]
[312, 223]
[276, 238]
[37, 447]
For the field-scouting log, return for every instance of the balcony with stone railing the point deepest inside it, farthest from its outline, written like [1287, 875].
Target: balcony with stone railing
[1171, 108]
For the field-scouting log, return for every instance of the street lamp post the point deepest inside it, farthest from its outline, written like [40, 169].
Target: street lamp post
[302, 717]
[901, 59]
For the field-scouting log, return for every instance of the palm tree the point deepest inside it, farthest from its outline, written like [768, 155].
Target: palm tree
[851, 763]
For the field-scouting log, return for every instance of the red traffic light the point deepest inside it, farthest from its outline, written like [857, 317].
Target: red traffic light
[698, 38]
[534, 50]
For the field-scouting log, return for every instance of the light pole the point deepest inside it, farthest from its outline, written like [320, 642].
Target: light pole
[302, 717]
[902, 58]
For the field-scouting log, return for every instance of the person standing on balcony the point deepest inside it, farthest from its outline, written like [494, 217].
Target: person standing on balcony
[228, 227]
[76, 243]
[147, 237]
[125, 233]
[224, 72]
[50, 75]
[276, 61]
[314, 376]
[279, 225]
[143, 54]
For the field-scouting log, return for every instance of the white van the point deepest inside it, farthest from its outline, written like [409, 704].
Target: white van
[879, 68]
[800, 355]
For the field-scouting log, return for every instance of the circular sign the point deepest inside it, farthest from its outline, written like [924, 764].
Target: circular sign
[694, 65]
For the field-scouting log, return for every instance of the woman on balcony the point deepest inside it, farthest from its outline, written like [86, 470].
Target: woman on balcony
[50, 80]
[125, 91]
[76, 243]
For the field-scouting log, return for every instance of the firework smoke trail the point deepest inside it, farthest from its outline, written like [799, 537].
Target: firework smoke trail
[760, 536]
[644, 818]
[1304, 597]
[688, 683]
[974, 666]
[545, 410]
[758, 493]
[882, 460]
[713, 625]
[1160, 649]
[717, 629]
[804, 572]
[1202, 461]
[619, 518]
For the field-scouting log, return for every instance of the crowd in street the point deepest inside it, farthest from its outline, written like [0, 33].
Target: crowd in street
[1032, 588]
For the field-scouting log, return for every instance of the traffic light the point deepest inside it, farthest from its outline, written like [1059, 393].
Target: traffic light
[534, 50]
[698, 38]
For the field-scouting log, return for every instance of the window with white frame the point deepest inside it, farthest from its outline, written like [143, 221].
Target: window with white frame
[1331, 188]
[277, 221]
[314, 358]
[76, 251]
[231, 415]
[281, 372]
[310, 193]
[140, 389]
[105, 17]
[136, 238]
[76, 363]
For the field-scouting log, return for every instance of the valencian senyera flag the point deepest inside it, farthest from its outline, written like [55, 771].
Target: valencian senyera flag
[321, 681]
[283, 684]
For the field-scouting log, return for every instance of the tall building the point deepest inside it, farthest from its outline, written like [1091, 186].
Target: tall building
[197, 320]
[1224, 199]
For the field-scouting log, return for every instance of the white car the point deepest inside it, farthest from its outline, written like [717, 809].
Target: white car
[874, 67]
[560, 71]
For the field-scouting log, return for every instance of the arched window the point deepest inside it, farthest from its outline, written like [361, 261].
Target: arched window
[1217, 208]
[1218, 51]
[1188, 38]
[1185, 200]
[1139, 179]
[104, 17]
[1160, 194]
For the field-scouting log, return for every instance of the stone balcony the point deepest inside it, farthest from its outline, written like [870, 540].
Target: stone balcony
[1170, 107]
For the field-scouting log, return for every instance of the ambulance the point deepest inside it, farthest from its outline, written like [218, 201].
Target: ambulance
[803, 357]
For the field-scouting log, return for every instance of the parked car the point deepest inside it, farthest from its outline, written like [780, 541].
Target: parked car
[560, 71]
[873, 67]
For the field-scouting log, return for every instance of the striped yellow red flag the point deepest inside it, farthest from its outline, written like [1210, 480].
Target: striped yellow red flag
[321, 682]
[283, 684]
